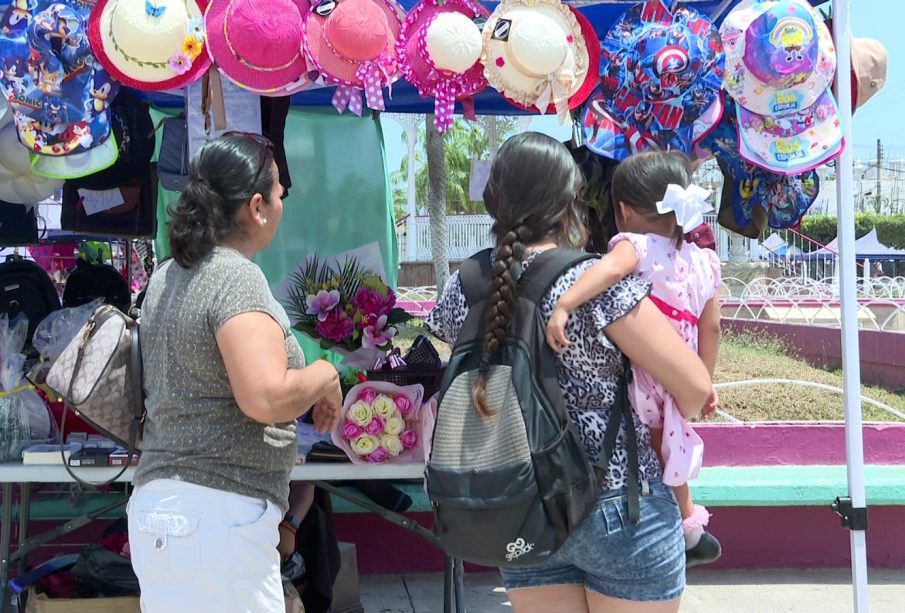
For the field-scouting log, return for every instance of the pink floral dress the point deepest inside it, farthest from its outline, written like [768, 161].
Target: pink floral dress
[682, 282]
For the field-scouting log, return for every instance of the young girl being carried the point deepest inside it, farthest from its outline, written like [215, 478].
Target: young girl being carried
[655, 205]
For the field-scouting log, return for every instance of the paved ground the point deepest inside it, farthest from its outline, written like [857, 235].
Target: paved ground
[708, 592]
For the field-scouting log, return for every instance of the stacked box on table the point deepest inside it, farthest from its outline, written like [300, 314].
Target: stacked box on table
[42, 603]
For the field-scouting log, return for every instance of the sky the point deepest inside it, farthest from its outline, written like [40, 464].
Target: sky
[881, 117]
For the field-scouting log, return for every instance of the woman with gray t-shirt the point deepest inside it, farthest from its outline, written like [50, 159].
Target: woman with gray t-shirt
[225, 381]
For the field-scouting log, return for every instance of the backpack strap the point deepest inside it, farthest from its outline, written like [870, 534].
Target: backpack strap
[474, 274]
[621, 413]
[546, 268]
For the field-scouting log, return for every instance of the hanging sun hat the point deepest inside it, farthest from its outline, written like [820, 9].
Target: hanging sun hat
[660, 73]
[61, 104]
[780, 57]
[440, 49]
[783, 199]
[18, 184]
[792, 143]
[257, 44]
[301, 84]
[541, 54]
[870, 62]
[352, 43]
[152, 45]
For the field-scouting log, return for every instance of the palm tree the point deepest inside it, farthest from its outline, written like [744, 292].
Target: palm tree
[462, 143]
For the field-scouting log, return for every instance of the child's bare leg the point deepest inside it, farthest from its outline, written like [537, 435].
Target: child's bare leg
[683, 497]
[701, 547]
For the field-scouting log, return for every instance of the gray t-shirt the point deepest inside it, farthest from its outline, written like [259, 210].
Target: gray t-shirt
[194, 430]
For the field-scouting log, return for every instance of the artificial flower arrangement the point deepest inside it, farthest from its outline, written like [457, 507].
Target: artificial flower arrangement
[384, 422]
[343, 304]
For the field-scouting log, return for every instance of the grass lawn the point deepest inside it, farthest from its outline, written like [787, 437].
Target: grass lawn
[744, 358]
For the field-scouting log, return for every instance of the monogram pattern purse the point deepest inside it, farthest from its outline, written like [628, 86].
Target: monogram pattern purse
[99, 377]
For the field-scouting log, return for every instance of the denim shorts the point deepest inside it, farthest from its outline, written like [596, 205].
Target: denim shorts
[609, 555]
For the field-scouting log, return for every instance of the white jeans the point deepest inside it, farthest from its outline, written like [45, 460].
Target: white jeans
[199, 549]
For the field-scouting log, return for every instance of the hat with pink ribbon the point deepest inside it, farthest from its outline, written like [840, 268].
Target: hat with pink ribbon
[352, 43]
[440, 51]
[257, 45]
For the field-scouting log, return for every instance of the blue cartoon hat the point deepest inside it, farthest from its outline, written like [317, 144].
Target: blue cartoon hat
[784, 198]
[660, 70]
[59, 94]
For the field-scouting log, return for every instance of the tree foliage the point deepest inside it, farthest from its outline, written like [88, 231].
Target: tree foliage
[463, 142]
[890, 228]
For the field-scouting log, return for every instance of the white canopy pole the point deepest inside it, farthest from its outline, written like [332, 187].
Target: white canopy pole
[848, 274]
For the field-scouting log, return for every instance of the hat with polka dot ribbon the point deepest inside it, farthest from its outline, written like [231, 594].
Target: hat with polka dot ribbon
[440, 51]
[352, 43]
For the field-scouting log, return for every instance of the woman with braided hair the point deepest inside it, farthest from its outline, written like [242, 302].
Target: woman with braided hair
[608, 565]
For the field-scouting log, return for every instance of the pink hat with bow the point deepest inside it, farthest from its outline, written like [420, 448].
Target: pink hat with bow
[352, 43]
[256, 44]
[440, 51]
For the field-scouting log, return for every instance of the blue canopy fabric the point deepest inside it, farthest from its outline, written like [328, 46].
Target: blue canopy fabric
[405, 98]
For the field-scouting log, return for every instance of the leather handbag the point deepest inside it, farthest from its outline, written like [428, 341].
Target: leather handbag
[99, 376]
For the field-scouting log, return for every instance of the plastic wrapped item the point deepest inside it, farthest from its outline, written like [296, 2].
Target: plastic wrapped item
[15, 434]
[56, 331]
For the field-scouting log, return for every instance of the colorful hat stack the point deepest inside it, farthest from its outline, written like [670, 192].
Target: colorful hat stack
[352, 43]
[153, 45]
[259, 47]
[440, 49]
[59, 94]
[660, 72]
[753, 196]
[541, 54]
[780, 62]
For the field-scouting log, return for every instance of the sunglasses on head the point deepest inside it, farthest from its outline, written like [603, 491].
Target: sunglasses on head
[266, 146]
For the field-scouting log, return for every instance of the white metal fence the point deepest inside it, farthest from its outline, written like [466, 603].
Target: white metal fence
[468, 234]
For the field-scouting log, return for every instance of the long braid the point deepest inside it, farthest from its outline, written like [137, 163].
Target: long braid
[510, 250]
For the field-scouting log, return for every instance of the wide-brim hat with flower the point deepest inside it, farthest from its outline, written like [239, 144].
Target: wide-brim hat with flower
[541, 54]
[258, 44]
[780, 57]
[440, 52]
[352, 43]
[153, 45]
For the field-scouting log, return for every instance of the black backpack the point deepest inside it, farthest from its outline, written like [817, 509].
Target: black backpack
[90, 281]
[26, 289]
[509, 489]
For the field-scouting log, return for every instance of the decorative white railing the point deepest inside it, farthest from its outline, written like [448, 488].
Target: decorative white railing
[799, 300]
[466, 235]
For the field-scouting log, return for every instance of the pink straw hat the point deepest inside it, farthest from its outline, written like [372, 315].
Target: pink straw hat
[352, 43]
[257, 44]
[440, 51]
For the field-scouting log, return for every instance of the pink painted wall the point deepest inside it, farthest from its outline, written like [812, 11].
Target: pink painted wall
[752, 537]
[770, 444]
[882, 353]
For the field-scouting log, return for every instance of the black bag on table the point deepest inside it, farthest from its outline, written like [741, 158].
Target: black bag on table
[26, 288]
[90, 281]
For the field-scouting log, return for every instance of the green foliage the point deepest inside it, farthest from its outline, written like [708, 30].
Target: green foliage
[463, 142]
[890, 228]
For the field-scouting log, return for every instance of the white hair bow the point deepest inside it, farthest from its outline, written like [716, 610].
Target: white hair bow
[688, 203]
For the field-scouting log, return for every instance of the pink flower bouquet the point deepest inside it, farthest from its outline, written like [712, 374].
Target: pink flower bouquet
[383, 422]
